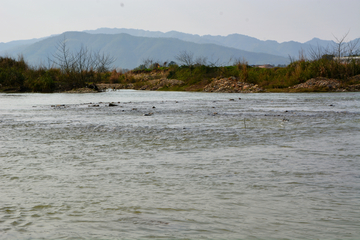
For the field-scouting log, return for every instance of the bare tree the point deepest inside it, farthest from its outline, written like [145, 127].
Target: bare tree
[103, 62]
[201, 61]
[186, 58]
[147, 62]
[345, 49]
[82, 60]
[340, 46]
[339, 49]
[63, 57]
[77, 65]
[352, 48]
[316, 53]
[214, 63]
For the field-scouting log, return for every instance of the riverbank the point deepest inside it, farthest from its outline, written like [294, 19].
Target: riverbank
[221, 85]
[231, 85]
[321, 75]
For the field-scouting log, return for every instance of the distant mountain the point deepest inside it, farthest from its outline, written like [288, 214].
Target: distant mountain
[237, 41]
[130, 51]
[322, 43]
[137, 45]
[10, 46]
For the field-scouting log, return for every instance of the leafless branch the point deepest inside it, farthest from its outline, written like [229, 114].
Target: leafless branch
[186, 58]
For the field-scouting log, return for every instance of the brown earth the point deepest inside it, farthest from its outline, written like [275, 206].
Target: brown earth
[160, 83]
[319, 82]
[231, 85]
[228, 85]
[104, 86]
[329, 84]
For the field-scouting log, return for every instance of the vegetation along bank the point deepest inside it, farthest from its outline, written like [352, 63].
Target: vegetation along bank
[319, 75]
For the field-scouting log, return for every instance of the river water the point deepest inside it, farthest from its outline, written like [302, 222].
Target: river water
[200, 166]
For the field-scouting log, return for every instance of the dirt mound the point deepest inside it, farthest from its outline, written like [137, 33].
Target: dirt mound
[105, 86]
[355, 78]
[231, 85]
[319, 82]
[159, 83]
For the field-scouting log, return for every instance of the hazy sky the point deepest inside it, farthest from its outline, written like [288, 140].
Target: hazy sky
[280, 20]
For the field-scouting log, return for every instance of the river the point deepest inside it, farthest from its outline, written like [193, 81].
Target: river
[180, 165]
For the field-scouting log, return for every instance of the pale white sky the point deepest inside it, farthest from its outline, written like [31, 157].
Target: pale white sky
[280, 20]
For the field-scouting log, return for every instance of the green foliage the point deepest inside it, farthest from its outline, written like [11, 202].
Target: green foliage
[44, 83]
[144, 70]
[16, 75]
[6, 62]
[194, 74]
[11, 77]
[273, 78]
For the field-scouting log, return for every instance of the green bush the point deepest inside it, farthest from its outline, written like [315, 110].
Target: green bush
[44, 83]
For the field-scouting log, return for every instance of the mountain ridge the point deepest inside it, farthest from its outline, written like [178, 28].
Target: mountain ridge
[235, 40]
[241, 46]
[130, 51]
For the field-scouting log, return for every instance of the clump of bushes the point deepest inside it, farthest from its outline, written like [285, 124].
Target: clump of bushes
[18, 76]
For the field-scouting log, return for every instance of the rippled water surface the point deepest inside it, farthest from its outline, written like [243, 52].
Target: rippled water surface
[200, 166]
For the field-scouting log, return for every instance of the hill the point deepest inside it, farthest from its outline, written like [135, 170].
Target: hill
[238, 41]
[138, 45]
[130, 51]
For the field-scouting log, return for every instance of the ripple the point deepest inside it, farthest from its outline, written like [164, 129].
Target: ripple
[184, 172]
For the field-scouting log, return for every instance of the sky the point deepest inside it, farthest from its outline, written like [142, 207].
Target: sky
[279, 20]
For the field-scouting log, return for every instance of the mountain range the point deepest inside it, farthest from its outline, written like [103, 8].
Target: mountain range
[237, 41]
[130, 47]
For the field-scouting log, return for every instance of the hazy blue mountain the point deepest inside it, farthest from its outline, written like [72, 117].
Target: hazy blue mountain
[153, 34]
[234, 41]
[237, 41]
[130, 51]
[321, 43]
[10, 46]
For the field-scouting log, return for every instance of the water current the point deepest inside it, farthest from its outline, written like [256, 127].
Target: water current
[177, 165]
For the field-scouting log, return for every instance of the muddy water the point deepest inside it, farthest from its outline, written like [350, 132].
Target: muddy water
[199, 166]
